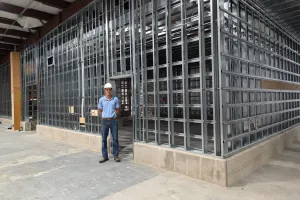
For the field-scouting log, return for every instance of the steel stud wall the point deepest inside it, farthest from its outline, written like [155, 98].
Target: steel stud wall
[29, 70]
[89, 49]
[219, 106]
[5, 91]
[196, 71]
[253, 49]
[177, 81]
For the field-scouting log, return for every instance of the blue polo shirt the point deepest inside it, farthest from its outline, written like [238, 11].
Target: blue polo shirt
[108, 107]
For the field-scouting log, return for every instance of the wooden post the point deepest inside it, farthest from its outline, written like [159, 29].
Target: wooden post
[15, 74]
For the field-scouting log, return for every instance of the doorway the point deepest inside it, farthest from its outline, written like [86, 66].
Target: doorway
[124, 93]
[32, 111]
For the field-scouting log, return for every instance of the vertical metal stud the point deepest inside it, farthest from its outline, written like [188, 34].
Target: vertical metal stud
[134, 79]
[144, 70]
[203, 76]
[215, 78]
[155, 71]
[107, 71]
[185, 76]
[170, 72]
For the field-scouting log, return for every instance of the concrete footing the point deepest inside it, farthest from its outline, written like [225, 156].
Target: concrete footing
[224, 172]
[91, 142]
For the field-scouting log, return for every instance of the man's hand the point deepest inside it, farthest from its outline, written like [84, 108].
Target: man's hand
[118, 111]
[100, 112]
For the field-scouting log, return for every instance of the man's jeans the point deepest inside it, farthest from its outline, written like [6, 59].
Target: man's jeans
[113, 126]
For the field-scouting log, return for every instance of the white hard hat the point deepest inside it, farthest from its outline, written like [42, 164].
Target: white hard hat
[107, 85]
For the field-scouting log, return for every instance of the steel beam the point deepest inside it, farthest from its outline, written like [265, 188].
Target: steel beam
[28, 13]
[60, 4]
[14, 32]
[4, 51]
[56, 20]
[6, 46]
[9, 22]
[50, 25]
[10, 40]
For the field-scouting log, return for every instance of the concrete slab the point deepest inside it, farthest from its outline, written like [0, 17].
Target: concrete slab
[174, 186]
[32, 167]
[277, 180]
[280, 177]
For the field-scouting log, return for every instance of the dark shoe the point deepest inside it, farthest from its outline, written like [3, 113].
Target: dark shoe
[117, 159]
[103, 160]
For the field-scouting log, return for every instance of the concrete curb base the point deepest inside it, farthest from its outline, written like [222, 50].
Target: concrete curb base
[91, 142]
[224, 172]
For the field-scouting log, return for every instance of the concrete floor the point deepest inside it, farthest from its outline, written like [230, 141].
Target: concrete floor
[34, 168]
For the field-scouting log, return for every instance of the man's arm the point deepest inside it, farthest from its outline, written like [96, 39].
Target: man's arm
[118, 110]
[100, 108]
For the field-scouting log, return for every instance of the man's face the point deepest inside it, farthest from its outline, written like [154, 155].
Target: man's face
[108, 91]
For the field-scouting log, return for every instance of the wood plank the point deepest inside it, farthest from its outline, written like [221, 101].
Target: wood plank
[16, 88]
[278, 85]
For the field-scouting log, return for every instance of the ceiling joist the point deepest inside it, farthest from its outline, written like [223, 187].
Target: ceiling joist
[13, 32]
[55, 3]
[18, 43]
[4, 51]
[10, 40]
[6, 46]
[28, 13]
[9, 22]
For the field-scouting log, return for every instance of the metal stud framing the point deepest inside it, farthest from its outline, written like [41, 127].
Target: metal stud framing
[175, 45]
[29, 70]
[90, 48]
[5, 93]
[195, 69]
[255, 49]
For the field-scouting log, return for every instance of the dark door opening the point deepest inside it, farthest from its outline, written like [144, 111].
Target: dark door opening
[123, 92]
[32, 106]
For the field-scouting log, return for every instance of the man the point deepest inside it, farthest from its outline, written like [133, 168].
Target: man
[109, 109]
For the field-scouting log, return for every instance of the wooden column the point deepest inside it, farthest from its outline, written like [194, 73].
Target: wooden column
[15, 73]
